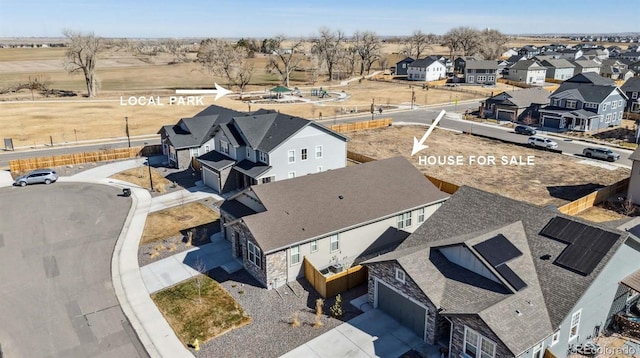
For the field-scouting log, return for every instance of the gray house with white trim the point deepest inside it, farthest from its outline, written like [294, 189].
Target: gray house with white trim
[558, 69]
[530, 72]
[334, 218]
[631, 89]
[481, 72]
[517, 283]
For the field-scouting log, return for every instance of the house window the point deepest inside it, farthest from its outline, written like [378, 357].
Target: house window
[334, 243]
[291, 175]
[571, 104]
[313, 246]
[614, 104]
[266, 180]
[249, 152]
[470, 79]
[292, 156]
[224, 147]
[604, 106]
[263, 157]
[575, 324]
[254, 254]
[477, 346]
[555, 102]
[614, 116]
[207, 149]
[607, 118]
[537, 350]
[195, 152]
[319, 169]
[303, 154]
[555, 338]
[620, 103]
[420, 215]
[400, 275]
[318, 151]
[634, 95]
[482, 78]
[491, 78]
[404, 220]
[295, 255]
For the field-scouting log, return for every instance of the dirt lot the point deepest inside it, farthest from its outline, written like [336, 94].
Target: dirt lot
[554, 179]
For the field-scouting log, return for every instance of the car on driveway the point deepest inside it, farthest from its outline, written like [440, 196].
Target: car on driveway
[542, 142]
[601, 153]
[520, 129]
[40, 176]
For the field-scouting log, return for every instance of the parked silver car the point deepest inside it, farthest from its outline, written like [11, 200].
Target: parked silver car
[46, 176]
[542, 142]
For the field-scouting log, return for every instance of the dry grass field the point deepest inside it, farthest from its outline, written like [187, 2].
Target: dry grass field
[554, 179]
[171, 221]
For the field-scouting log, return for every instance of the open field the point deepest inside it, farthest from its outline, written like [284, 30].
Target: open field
[554, 179]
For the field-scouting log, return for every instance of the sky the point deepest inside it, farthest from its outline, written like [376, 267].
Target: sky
[261, 19]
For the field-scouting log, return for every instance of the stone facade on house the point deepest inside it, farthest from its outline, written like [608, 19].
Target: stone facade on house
[259, 273]
[276, 269]
[475, 323]
[183, 158]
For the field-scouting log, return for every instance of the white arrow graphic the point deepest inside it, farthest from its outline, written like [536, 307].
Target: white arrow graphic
[419, 145]
[219, 91]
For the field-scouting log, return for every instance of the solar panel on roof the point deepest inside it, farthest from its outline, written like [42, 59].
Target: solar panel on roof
[554, 227]
[497, 250]
[514, 280]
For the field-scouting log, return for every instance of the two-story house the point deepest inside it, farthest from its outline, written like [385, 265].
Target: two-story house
[585, 102]
[482, 72]
[631, 89]
[402, 66]
[558, 69]
[521, 282]
[426, 69]
[331, 218]
[267, 146]
[570, 53]
[530, 72]
[529, 51]
[585, 66]
[460, 62]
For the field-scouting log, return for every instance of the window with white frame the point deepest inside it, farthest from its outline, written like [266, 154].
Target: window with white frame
[482, 78]
[605, 106]
[303, 154]
[263, 157]
[590, 105]
[614, 116]
[249, 152]
[614, 104]
[207, 148]
[537, 350]
[400, 275]
[555, 102]
[318, 151]
[291, 154]
[334, 243]
[195, 152]
[575, 324]
[470, 79]
[620, 103]
[291, 175]
[295, 255]
[421, 215]
[254, 254]
[571, 103]
[266, 180]
[404, 220]
[224, 147]
[555, 338]
[313, 246]
[477, 346]
[607, 118]
[634, 95]
[491, 78]
[319, 169]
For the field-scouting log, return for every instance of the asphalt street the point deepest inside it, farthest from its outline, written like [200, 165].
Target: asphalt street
[56, 294]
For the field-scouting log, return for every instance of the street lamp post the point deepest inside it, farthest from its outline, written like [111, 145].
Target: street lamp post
[126, 123]
[373, 106]
[149, 166]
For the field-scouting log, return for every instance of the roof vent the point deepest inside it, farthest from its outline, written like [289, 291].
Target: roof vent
[340, 197]
[545, 257]
[518, 313]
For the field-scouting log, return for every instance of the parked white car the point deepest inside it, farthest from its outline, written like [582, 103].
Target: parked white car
[542, 142]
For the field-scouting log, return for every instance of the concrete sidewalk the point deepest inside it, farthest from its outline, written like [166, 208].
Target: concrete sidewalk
[107, 170]
[5, 178]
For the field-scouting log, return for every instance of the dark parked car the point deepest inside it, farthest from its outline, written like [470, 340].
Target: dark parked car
[525, 130]
[46, 176]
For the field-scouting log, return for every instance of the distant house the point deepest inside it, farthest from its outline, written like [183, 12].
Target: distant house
[517, 283]
[508, 53]
[631, 89]
[426, 69]
[596, 53]
[529, 51]
[634, 66]
[630, 55]
[569, 53]
[585, 66]
[528, 71]
[515, 58]
[481, 72]
[558, 69]
[521, 105]
[402, 66]
[334, 218]
[585, 102]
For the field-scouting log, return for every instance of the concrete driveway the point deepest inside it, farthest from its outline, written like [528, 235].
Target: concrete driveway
[371, 334]
[56, 294]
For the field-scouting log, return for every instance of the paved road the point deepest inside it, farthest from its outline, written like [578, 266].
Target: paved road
[56, 294]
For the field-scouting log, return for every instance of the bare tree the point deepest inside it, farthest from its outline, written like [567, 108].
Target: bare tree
[464, 39]
[418, 43]
[81, 55]
[492, 43]
[368, 47]
[286, 60]
[222, 58]
[347, 59]
[327, 46]
[199, 279]
[177, 48]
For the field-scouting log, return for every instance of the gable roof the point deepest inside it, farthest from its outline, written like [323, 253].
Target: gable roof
[587, 87]
[561, 288]
[481, 64]
[526, 97]
[558, 63]
[425, 62]
[527, 65]
[405, 60]
[592, 78]
[320, 204]
[585, 63]
[631, 85]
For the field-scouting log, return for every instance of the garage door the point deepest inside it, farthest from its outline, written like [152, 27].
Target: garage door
[211, 179]
[405, 311]
[551, 122]
[506, 115]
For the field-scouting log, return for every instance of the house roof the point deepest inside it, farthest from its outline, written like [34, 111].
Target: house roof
[560, 287]
[515, 58]
[236, 208]
[320, 204]
[526, 65]
[585, 63]
[586, 87]
[405, 60]
[481, 64]
[558, 63]
[252, 169]
[592, 78]
[526, 97]
[631, 85]
[215, 160]
[424, 62]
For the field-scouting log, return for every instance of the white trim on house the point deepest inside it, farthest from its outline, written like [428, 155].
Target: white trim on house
[479, 340]
[574, 325]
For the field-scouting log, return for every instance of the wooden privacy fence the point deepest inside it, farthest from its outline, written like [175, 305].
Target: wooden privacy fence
[357, 157]
[23, 165]
[337, 283]
[444, 186]
[594, 198]
[357, 126]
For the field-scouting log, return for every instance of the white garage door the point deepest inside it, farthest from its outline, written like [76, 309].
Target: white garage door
[211, 179]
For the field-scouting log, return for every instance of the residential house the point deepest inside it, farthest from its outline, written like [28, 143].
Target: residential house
[517, 283]
[529, 51]
[426, 69]
[332, 219]
[402, 66]
[614, 51]
[631, 89]
[460, 62]
[585, 102]
[267, 146]
[630, 55]
[585, 66]
[528, 71]
[634, 66]
[481, 72]
[558, 69]
[508, 53]
[521, 105]
[191, 137]
[515, 58]
[596, 53]
[570, 53]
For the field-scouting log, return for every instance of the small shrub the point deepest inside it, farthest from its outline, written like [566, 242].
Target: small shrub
[318, 321]
[336, 309]
[295, 322]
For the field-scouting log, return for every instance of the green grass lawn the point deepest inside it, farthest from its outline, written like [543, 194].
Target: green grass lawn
[216, 313]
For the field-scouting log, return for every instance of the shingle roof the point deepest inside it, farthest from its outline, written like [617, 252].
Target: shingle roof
[424, 62]
[215, 160]
[526, 97]
[319, 204]
[481, 64]
[466, 212]
[527, 64]
[587, 92]
[558, 63]
[592, 78]
[405, 60]
[585, 63]
[631, 85]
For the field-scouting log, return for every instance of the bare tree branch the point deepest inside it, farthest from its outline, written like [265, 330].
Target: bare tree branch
[286, 60]
[81, 55]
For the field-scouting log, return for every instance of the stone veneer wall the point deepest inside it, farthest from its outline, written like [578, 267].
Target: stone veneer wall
[245, 235]
[276, 269]
[476, 324]
[386, 271]
[183, 156]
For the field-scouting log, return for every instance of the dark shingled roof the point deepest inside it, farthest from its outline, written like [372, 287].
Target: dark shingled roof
[527, 64]
[320, 204]
[526, 97]
[592, 78]
[587, 87]
[481, 64]
[236, 209]
[252, 169]
[424, 62]
[631, 85]
[558, 63]
[215, 160]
